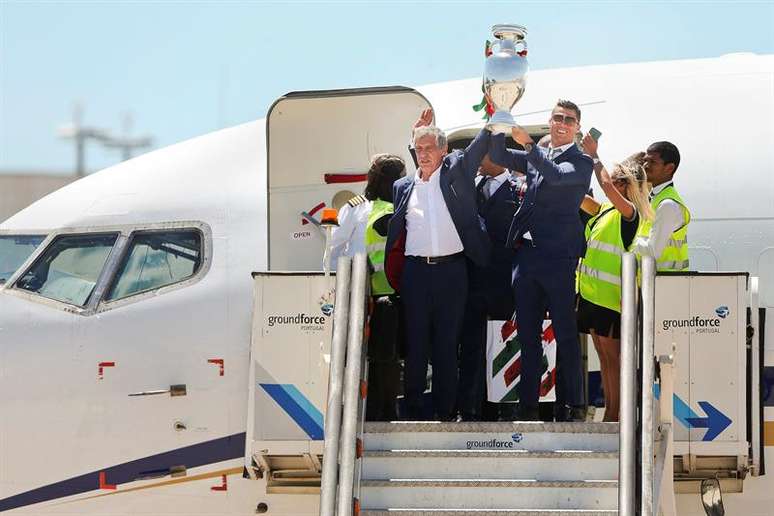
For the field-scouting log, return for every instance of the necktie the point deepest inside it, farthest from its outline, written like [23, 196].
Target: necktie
[482, 192]
[553, 153]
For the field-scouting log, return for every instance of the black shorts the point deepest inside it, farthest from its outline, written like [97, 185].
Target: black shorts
[603, 321]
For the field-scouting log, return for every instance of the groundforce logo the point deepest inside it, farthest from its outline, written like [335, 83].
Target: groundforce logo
[304, 321]
[490, 444]
[696, 323]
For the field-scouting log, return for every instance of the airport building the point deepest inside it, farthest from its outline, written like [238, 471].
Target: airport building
[20, 189]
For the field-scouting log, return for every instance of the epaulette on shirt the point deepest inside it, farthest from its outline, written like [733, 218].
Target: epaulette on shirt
[358, 199]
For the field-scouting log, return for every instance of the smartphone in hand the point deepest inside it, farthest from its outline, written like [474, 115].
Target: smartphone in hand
[595, 133]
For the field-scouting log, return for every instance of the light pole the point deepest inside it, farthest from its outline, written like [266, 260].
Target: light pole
[79, 134]
[128, 143]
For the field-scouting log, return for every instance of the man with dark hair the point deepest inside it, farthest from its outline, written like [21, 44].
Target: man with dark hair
[386, 320]
[548, 236]
[489, 288]
[666, 238]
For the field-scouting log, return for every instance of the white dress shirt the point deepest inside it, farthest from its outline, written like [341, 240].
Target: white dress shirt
[495, 182]
[430, 230]
[669, 218]
[349, 237]
[554, 152]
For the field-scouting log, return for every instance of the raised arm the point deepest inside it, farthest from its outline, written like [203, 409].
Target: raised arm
[620, 202]
[475, 152]
[513, 160]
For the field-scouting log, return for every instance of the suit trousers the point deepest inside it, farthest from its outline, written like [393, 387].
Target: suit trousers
[543, 283]
[489, 296]
[434, 302]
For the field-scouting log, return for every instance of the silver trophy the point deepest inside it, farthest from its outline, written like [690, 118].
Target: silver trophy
[505, 74]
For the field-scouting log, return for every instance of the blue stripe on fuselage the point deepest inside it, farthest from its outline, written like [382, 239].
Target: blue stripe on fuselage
[208, 452]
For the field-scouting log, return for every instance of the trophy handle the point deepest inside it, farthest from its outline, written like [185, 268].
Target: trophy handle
[511, 43]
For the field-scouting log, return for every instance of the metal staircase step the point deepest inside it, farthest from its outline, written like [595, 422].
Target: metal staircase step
[491, 464]
[488, 512]
[534, 436]
[504, 494]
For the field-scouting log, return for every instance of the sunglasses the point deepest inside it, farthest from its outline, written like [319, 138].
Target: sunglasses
[564, 119]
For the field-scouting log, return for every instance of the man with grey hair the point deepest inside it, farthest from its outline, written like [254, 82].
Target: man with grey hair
[434, 228]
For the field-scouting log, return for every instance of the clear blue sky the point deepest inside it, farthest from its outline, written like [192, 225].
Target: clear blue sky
[188, 68]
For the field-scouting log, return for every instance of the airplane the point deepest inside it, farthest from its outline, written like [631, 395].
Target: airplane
[126, 298]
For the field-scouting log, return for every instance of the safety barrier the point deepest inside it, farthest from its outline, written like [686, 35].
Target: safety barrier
[652, 483]
[343, 421]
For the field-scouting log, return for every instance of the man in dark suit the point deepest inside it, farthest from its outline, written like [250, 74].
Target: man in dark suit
[434, 228]
[548, 237]
[489, 288]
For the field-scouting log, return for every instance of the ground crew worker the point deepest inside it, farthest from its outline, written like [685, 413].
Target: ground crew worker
[666, 237]
[385, 323]
[609, 233]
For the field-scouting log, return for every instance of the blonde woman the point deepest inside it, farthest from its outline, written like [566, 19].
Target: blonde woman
[610, 232]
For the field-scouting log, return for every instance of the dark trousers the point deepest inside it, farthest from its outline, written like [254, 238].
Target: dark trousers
[384, 341]
[541, 284]
[434, 302]
[489, 297]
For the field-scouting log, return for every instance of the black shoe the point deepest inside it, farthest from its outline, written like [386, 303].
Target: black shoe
[467, 416]
[528, 414]
[577, 414]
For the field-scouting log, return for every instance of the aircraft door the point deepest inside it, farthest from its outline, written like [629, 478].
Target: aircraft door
[319, 147]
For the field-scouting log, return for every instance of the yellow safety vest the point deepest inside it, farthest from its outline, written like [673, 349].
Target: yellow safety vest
[375, 248]
[599, 272]
[674, 257]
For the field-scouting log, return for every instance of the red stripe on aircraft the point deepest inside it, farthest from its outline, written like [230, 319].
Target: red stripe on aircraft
[344, 178]
[312, 212]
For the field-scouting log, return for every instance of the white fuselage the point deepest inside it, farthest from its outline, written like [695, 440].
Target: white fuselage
[62, 424]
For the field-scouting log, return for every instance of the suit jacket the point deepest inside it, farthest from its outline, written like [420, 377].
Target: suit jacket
[458, 170]
[554, 194]
[498, 212]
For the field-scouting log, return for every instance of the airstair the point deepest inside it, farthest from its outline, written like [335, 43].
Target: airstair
[515, 468]
[504, 468]
[635, 467]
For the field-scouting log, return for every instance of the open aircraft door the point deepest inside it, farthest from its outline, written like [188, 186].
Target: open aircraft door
[319, 146]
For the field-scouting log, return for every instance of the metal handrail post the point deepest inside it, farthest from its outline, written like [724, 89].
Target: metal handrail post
[627, 438]
[648, 379]
[352, 386]
[328, 482]
[755, 379]
[665, 474]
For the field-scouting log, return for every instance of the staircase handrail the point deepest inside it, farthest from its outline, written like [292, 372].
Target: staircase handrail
[352, 379]
[627, 437]
[329, 480]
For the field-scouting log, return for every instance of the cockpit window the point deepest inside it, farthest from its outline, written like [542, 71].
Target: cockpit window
[69, 268]
[14, 250]
[156, 259]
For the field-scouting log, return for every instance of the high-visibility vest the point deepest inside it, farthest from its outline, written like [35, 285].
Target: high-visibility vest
[375, 248]
[674, 257]
[599, 271]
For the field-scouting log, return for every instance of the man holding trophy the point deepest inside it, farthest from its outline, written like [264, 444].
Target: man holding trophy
[546, 231]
